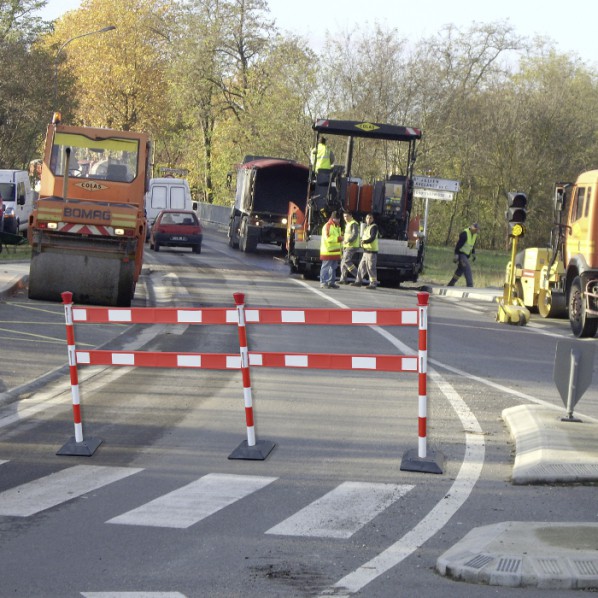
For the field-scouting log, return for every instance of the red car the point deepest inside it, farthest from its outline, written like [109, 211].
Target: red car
[176, 228]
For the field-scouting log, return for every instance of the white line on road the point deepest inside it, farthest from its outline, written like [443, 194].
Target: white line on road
[132, 595]
[341, 512]
[186, 506]
[438, 517]
[49, 491]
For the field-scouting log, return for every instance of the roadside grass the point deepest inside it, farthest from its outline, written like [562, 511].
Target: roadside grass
[488, 269]
[15, 253]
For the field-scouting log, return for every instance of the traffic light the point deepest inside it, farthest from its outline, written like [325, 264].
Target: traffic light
[516, 213]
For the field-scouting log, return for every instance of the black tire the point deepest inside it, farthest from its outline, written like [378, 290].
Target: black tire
[196, 248]
[552, 304]
[11, 226]
[233, 240]
[156, 246]
[581, 325]
[247, 242]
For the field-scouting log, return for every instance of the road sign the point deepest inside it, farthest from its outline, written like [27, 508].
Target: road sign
[573, 364]
[427, 182]
[431, 194]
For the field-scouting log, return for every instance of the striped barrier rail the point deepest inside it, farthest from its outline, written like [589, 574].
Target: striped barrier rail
[251, 448]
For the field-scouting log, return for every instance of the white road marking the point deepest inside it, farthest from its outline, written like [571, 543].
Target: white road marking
[186, 506]
[49, 491]
[341, 512]
[132, 595]
[438, 517]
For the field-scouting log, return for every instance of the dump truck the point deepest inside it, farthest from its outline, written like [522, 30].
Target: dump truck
[87, 230]
[265, 187]
[389, 198]
[562, 279]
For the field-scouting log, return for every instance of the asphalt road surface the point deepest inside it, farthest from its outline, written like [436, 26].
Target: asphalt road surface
[160, 510]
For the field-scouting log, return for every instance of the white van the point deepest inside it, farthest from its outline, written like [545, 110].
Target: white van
[167, 194]
[18, 197]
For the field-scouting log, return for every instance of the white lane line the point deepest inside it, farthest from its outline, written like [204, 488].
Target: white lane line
[438, 517]
[186, 506]
[49, 491]
[341, 512]
[1, 461]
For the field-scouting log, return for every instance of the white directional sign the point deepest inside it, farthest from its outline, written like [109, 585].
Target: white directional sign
[431, 194]
[427, 182]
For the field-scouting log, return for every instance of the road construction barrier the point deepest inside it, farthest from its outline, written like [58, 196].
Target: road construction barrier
[252, 448]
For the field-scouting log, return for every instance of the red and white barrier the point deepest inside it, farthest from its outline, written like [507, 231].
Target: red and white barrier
[76, 445]
[252, 448]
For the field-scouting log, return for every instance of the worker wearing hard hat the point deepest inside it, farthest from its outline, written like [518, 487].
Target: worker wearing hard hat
[322, 158]
[464, 253]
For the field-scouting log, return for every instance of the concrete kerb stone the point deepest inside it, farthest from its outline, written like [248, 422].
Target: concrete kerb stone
[549, 450]
[520, 554]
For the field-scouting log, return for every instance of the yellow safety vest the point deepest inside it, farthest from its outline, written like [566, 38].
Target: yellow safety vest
[330, 246]
[323, 157]
[468, 246]
[373, 246]
[349, 229]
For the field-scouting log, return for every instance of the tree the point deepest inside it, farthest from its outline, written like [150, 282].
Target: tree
[25, 77]
[119, 74]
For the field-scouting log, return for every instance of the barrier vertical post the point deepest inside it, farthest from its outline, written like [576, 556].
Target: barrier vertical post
[419, 460]
[76, 445]
[251, 448]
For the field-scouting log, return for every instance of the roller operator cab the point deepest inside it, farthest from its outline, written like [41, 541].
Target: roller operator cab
[88, 229]
[562, 281]
[386, 155]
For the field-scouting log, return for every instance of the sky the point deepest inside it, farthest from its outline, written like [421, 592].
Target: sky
[571, 24]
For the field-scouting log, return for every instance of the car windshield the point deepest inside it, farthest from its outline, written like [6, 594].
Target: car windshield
[186, 218]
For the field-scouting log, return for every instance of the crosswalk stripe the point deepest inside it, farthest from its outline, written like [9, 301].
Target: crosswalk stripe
[186, 506]
[341, 512]
[49, 491]
[132, 595]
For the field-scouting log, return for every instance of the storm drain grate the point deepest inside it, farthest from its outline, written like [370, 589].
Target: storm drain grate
[550, 566]
[479, 561]
[508, 565]
[586, 567]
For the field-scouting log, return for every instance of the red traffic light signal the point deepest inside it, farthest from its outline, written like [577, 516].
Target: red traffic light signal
[516, 213]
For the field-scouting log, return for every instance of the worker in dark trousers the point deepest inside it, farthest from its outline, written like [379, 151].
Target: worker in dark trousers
[464, 253]
[350, 247]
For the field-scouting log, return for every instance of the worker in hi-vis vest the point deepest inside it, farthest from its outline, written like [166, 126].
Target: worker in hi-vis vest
[330, 251]
[369, 260]
[464, 253]
[350, 247]
[322, 158]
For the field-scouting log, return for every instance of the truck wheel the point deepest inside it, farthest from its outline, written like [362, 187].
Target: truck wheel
[197, 248]
[233, 240]
[156, 246]
[581, 324]
[247, 241]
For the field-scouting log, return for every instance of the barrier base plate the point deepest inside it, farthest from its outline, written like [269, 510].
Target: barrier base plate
[80, 449]
[258, 452]
[432, 463]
